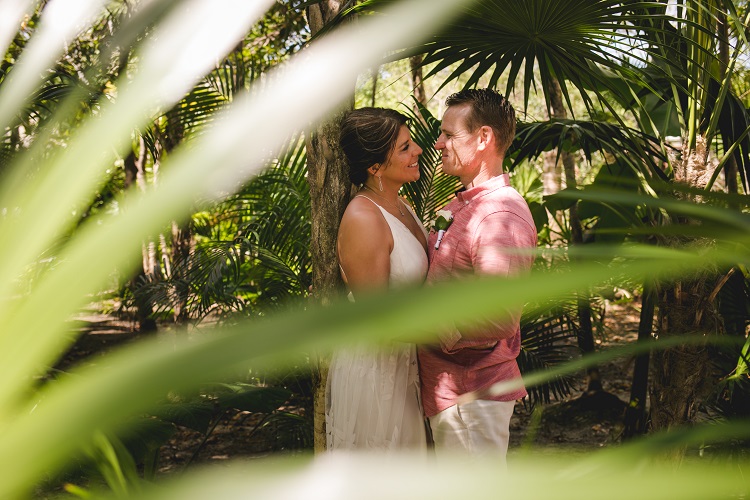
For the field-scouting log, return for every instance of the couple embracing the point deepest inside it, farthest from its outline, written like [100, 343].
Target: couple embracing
[381, 399]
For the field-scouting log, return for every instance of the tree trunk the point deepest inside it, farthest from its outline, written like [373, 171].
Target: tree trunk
[135, 175]
[417, 81]
[552, 174]
[635, 414]
[330, 190]
[374, 88]
[585, 332]
[680, 374]
[182, 248]
[552, 182]
[686, 307]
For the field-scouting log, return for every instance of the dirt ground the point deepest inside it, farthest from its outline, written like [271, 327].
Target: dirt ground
[561, 424]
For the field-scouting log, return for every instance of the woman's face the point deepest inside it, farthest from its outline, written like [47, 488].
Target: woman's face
[403, 164]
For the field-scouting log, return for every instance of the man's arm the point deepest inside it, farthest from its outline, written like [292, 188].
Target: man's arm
[495, 251]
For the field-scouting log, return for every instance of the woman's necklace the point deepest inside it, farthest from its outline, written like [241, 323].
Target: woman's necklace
[396, 206]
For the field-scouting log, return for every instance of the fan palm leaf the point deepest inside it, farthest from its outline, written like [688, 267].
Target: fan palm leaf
[576, 42]
[434, 188]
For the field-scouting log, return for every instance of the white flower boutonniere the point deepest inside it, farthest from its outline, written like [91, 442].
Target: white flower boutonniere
[443, 220]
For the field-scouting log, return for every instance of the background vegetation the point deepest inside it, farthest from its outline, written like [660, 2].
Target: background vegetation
[178, 159]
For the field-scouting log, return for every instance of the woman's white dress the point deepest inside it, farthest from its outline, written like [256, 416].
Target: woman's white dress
[372, 395]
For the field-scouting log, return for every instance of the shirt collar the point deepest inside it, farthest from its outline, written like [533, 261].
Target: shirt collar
[466, 195]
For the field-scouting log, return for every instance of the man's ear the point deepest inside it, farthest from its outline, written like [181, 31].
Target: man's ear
[486, 138]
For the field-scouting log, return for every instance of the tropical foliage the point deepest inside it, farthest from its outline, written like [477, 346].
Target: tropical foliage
[139, 160]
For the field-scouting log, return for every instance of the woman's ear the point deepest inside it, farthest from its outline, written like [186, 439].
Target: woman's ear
[374, 169]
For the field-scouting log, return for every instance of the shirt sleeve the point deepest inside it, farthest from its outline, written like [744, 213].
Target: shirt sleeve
[495, 251]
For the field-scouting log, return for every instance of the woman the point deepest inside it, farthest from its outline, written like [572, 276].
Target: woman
[373, 394]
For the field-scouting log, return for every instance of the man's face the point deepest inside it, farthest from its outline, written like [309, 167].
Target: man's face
[457, 144]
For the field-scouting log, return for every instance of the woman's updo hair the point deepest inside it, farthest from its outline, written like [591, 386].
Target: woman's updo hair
[368, 136]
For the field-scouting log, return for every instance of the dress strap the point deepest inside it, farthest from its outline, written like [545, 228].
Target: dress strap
[381, 207]
[368, 198]
[343, 274]
[408, 208]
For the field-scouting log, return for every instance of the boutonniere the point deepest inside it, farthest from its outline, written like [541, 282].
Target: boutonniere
[443, 220]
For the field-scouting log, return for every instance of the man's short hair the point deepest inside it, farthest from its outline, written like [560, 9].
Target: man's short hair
[490, 108]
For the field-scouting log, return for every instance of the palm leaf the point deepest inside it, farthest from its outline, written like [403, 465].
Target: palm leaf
[641, 152]
[733, 119]
[275, 232]
[545, 343]
[434, 188]
[576, 42]
[265, 264]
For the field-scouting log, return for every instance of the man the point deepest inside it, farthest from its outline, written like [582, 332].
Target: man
[489, 217]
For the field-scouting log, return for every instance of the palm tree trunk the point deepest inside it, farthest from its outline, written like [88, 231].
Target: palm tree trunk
[681, 374]
[585, 330]
[552, 174]
[635, 413]
[330, 190]
[182, 249]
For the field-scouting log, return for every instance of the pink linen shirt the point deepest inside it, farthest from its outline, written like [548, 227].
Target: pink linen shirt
[487, 219]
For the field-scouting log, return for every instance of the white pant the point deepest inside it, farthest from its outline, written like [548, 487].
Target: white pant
[478, 428]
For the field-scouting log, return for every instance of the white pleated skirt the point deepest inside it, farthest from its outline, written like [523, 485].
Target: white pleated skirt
[373, 399]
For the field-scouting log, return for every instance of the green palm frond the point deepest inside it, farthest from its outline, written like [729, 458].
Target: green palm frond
[213, 271]
[545, 342]
[578, 42]
[641, 152]
[434, 188]
[661, 102]
[228, 78]
[198, 107]
[193, 113]
[206, 282]
[264, 262]
[276, 233]
[290, 431]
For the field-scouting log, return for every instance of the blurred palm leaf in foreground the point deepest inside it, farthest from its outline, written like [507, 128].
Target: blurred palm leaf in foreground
[46, 422]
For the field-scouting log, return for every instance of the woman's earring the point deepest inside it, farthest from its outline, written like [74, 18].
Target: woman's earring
[380, 182]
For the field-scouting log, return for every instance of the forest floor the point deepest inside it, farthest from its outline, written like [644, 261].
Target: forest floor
[560, 425]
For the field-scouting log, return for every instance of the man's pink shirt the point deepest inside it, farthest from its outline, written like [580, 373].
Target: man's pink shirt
[488, 219]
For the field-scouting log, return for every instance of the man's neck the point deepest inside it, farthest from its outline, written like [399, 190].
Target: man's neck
[485, 173]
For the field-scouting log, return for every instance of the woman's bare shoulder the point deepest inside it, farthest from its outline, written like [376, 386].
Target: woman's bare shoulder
[362, 210]
[363, 224]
